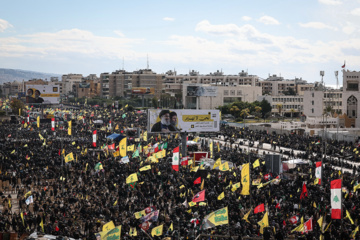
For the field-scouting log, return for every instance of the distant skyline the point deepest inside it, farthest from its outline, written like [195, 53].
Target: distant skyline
[289, 38]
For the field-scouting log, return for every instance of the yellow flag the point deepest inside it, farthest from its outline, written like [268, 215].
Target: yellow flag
[171, 228]
[133, 232]
[122, 147]
[42, 225]
[224, 167]
[139, 214]
[145, 168]
[22, 218]
[264, 222]
[221, 196]
[314, 204]
[256, 163]
[115, 203]
[356, 187]
[157, 231]
[211, 149]
[202, 185]
[25, 125]
[194, 169]
[145, 136]
[69, 157]
[245, 179]
[132, 178]
[131, 148]
[349, 217]
[41, 137]
[246, 216]
[69, 128]
[217, 163]
[108, 226]
[353, 233]
[192, 204]
[27, 194]
[320, 222]
[114, 233]
[216, 218]
[38, 121]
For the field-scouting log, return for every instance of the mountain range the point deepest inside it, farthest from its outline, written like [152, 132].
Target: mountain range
[11, 75]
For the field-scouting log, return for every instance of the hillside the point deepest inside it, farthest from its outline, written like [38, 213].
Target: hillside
[10, 75]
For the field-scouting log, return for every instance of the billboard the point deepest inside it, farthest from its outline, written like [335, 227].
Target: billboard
[84, 85]
[46, 94]
[201, 91]
[183, 120]
[143, 91]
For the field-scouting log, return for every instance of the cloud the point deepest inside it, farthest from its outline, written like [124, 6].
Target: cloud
[356, 12]
[4, 25]
[246, 18]
[267, 20]
[316, 25]
[119, 33]
[330, 2]
[70, 41]
[168, 19]
[349, 29]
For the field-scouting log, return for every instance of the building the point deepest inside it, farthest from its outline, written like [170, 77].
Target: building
[68, 80]
[351, 96]
[276, 86]
[87, 89]
[223, 95]
[287, 106]
[121, 83]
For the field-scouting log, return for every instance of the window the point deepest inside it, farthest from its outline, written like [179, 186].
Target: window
[312, 110]
[312, 94]
[232, 92]
[312, 102]
[239, 92]
[226, 92]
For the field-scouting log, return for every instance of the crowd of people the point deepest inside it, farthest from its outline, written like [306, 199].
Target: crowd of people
[76, 198]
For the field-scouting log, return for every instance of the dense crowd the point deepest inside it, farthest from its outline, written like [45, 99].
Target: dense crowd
[77, 198]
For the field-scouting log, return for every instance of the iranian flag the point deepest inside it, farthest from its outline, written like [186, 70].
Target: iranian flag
[318, 171]
[175, 159]
[336, 199]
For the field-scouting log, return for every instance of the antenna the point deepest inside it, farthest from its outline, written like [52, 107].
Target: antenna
[322, 73]
[147, 56]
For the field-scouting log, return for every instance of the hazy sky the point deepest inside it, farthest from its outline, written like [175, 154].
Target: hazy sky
[289, 37]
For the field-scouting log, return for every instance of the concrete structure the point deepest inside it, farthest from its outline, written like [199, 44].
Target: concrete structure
[285, 105]
[120, 82]
[276, 86]
[351, 96]
[225, 95]
[87, 88]
[68, 80]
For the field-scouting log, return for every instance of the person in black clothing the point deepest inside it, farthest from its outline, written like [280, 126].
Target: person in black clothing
[38, 99]
[164, 125]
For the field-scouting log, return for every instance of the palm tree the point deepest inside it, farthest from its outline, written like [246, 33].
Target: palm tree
[234, 109]
[244, 113]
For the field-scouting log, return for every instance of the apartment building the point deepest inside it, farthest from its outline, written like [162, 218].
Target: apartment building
[285, 105]
[276, 85]
[68, 81]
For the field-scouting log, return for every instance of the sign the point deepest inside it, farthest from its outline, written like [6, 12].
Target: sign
[201, 91]
[142, 91]
[183, 120]
[84, 85]
[45, 94]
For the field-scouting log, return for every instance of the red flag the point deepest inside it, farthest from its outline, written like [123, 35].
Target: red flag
[94, 138]
[175, 159]
[278, 206]
[145, 225]
[294, 219]
[184, 161]
[304, 192]
[308, 226]
[267, 176]
[197, 181]
[259, 208]
[57, 228]
[59, 152]
[199, 197]
[195, 221]
[284, 224]
[343, 66]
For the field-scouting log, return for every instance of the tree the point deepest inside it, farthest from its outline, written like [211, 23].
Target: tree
[279, 107]
[290, 92]
[234, 109]
[154, 101]
[265, 108]
[17, 104]
[244, 113]
[292, 113]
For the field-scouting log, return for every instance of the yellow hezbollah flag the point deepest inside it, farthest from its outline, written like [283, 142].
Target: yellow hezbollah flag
[211, 149]
[264, 222]
[217, 163]
[139, 214]
[221, 196]
[131, 148]
[69, 127]
[133, 232]
[145, 168]
[132, 178]
[256, 163]
[157, 231]
[69, 157]
[246, 216]
[38, 121]
[108, 226]
[219, 217]
[113, 234]
[122, 147]
[245, 179]
[224, 167]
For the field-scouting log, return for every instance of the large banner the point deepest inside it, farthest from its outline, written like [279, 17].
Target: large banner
[183, 120]
[201, 91]
[142, 91]
[45, 94]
